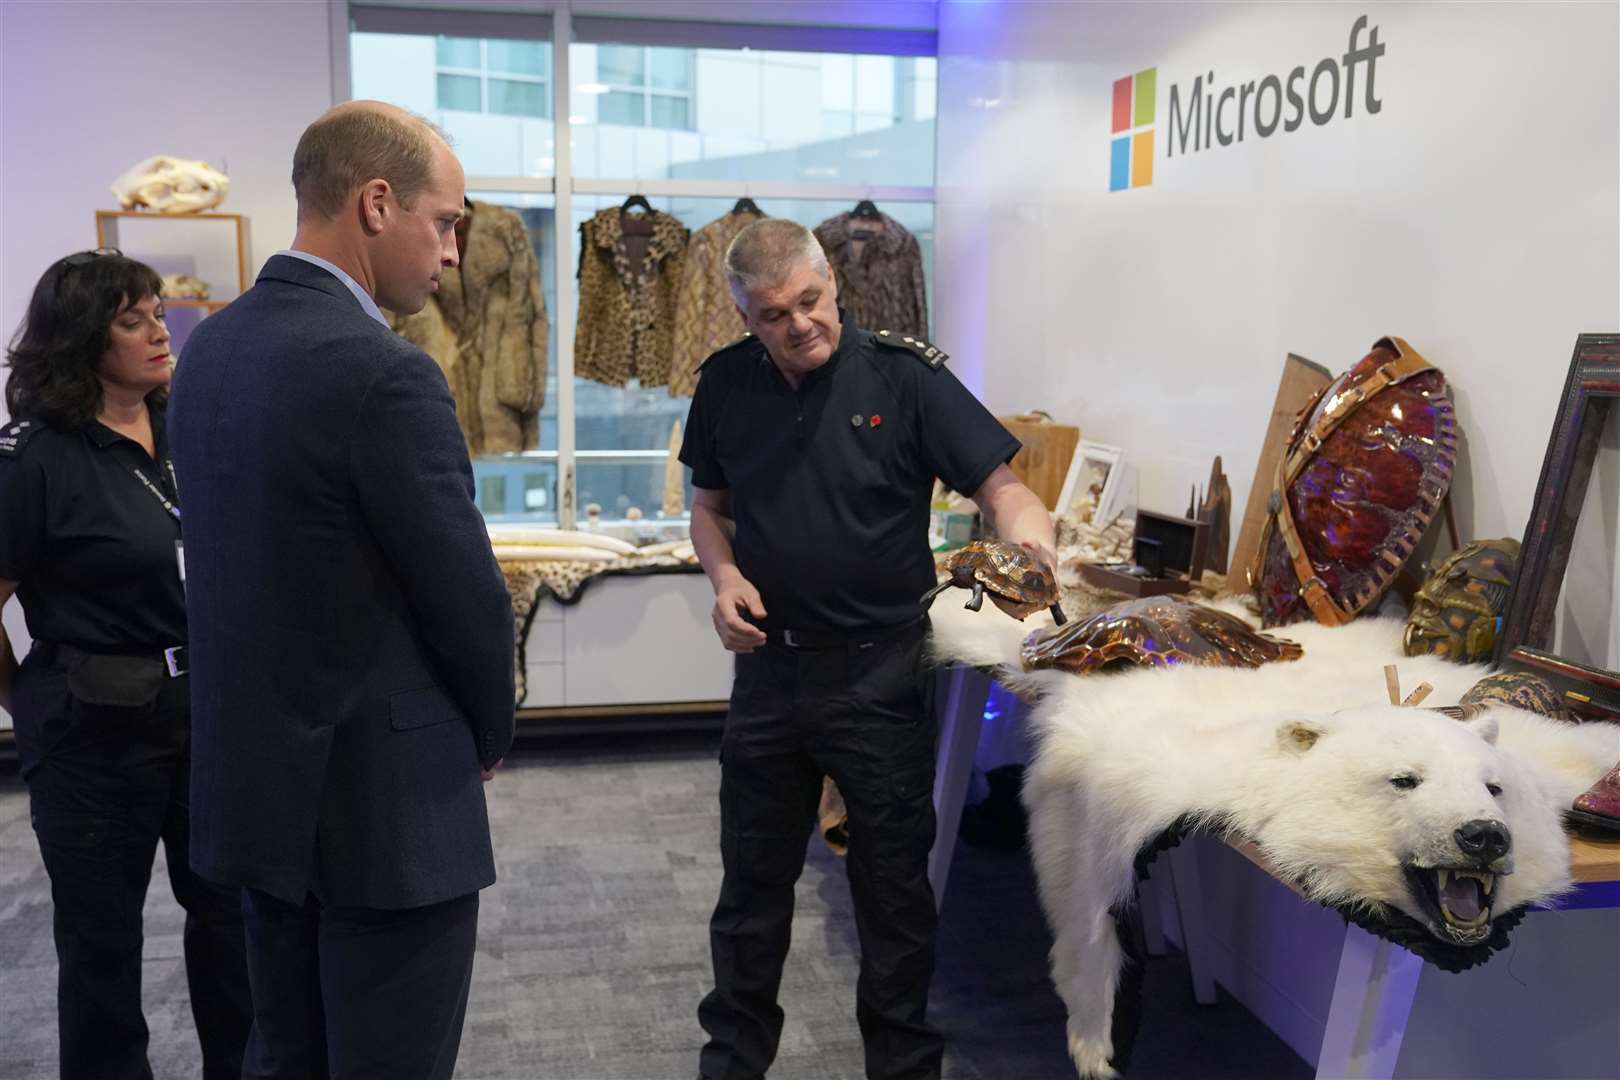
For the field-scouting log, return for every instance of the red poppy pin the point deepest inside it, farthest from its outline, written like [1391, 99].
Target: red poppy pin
[876, 419]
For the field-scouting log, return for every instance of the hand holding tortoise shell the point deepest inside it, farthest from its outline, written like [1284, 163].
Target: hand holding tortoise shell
[1014, 579]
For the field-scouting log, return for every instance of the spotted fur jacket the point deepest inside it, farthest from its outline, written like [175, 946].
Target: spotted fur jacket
[880, 279]
[627, 288]
[706, 319]
[487, 329]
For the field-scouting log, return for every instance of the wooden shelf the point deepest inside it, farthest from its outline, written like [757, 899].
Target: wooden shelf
[107, 236]
[153, 215]
[208, 305]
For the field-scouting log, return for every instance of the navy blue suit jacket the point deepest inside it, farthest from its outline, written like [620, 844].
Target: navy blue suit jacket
[351, 637]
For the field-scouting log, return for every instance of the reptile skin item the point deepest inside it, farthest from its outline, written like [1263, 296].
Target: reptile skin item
[1154, 631]
[1599, 808]
[1368, 464]
[1456, 613]
[1013, 579]
[1520, 689]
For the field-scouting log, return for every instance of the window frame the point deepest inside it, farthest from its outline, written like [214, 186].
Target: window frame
[556, 25]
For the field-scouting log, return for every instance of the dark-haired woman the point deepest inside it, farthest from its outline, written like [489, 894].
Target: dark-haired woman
[89, 547]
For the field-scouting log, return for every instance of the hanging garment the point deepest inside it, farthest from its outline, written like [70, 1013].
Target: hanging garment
[706, 318]
[487, 329]
[627, 283]
[880, 278]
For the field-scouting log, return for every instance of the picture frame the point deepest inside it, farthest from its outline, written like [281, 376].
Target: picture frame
[1590, 404]
[1095, 470]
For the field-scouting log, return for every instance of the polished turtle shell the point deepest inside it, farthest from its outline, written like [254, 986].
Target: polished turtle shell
[1155, 631]
[1368, 492]
[1013, 579]
[1457, 611]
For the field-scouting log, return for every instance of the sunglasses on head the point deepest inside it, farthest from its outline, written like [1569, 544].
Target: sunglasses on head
[83, 258]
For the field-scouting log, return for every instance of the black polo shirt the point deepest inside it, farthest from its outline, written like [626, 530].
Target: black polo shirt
[830, 484]
[89, 542]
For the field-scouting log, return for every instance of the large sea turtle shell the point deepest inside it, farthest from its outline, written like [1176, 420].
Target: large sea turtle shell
[1155, 631]
[1368, 493]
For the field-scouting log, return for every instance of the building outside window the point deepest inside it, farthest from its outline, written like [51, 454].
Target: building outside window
[651, 113]
[508, 78]
[640, 86]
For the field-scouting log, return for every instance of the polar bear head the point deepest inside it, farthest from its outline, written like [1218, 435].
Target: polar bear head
[1387, 807]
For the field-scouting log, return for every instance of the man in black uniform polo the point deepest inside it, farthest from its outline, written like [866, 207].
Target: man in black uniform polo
[814, 445]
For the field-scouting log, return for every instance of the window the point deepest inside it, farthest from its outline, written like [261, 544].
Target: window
[491, 95]
[635, 86]
[509, 78]
[653, 113]
[671, 117]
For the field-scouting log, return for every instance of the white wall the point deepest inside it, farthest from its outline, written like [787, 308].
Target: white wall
[87, 89]
[1476, 215]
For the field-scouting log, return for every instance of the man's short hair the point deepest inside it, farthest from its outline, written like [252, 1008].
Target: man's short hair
[348, 147]
[765, 253]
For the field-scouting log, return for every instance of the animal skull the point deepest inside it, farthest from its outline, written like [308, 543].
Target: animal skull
[171, 185]
[184, 287]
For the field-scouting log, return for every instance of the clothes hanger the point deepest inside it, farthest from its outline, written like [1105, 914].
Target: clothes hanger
[866, 210]
[635, 201]
[745, 205]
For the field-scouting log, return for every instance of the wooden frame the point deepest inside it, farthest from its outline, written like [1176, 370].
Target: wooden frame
[1591, 399]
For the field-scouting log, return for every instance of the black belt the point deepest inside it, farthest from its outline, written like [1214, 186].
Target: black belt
[173, 658]
[823, 640]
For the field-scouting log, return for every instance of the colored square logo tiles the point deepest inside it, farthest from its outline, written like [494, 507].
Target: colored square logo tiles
[1130, 149]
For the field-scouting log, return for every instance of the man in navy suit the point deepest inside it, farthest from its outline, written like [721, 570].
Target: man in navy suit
[351, 638]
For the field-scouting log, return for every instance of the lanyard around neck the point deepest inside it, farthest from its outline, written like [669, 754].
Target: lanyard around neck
[169, 505]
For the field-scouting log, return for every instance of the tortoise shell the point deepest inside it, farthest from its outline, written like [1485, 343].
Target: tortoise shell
[1013, 579]
[1456, 612]
[1520, 689]
[1368, 493]
[1155, 631]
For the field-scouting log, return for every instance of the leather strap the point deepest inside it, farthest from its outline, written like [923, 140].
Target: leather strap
[1339, 406]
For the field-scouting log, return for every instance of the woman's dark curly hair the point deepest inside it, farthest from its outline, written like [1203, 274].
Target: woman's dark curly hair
[57, 351]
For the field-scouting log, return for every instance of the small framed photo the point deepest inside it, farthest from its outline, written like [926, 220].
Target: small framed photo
[1092, 483]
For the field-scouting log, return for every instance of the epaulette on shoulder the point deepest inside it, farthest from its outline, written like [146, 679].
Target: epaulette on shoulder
[932, 355]
[15, 435]
[736, 346]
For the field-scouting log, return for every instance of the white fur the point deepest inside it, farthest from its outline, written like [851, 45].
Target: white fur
[1296, 757]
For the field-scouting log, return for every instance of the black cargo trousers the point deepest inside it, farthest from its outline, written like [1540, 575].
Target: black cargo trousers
[861, 711]
[106, 785]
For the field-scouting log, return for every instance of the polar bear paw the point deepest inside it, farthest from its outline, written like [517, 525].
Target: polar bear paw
[1091, 1057]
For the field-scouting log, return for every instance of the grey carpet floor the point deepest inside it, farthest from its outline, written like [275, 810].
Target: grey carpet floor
[593, 950]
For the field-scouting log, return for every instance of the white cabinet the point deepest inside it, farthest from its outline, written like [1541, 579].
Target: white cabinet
[636, 640]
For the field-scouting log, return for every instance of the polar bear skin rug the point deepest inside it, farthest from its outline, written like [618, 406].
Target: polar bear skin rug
[1365, 806]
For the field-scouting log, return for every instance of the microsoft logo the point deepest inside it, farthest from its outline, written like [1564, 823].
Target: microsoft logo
[1130, 151]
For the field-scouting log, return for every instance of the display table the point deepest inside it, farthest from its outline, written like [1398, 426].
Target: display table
[632, 643]
[1375, 981]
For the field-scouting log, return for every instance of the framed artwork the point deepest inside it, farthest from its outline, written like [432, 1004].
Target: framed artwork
[1093, 479]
